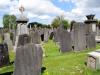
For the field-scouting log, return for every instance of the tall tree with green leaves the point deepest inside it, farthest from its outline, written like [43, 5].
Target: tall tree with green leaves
[60, 20]
[9, 21]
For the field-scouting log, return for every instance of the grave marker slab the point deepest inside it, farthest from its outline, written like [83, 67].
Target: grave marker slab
[28, 60]
[4, 55]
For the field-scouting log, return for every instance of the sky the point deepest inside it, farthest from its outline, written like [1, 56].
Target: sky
[44, 11]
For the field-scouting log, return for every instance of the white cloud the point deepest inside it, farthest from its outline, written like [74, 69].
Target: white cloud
[41, 7]
[82, 8]
[46, 10]
[4, 3]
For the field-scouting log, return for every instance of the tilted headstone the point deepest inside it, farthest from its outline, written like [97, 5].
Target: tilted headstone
[79, 36]
[4, 55]
[28, 60]
[8, 41]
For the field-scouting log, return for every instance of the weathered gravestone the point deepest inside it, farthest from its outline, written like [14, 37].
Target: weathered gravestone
[93, 60]
[8, 41]
[90, 40]
[28, 58]
[46, 34]
[79, 36]
[35, 37]
[90, 31]
[4, 55]
[21, 26]
[23, 39]
[64, 37]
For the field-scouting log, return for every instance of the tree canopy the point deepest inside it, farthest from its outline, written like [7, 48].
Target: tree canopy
[9, 21]
[32, 24]
[60, 20]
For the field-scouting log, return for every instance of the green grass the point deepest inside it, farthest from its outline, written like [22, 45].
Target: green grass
[56, 63]
[71, 63]
[9, 68]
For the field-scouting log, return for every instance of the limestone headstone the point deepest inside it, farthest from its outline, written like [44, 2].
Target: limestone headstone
[79, 36]
[23, 39]
[4, 55]
[35, 37]
[22, 29]
[64, 37]
[46, 35]
[93, 60]
[28, 60]
[8, 41]
[90, 40]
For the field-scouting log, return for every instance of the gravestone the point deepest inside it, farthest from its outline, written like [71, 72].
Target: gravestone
[91, 31]
[8, 41]
[64, 37]
[28, 60]
[21, 26]
[35, 37]
[79, 36]
[56, 38]
[46, 35]
[90, 40]
[22, 29]
[4, 55]
[23, 39]
[93, 60]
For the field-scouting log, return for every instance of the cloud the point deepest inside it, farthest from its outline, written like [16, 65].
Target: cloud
[40, 7]
[82, 8]
[46, 10]
[4, 3]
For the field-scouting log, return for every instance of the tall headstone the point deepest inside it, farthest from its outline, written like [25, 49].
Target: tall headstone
[46, 35]
[4, 55]
[79, 36]
[64, 37]
[28, 58]
[91, 31]
[21, 26]
[8, 41]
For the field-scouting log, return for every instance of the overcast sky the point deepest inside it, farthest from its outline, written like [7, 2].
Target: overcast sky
[44, 11]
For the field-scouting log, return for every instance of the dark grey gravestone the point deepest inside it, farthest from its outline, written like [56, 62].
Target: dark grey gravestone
[28, 60]
[79, 36]
[64, 37]
[35, 37]
[66, 42]
[23, 39]
[4, 55]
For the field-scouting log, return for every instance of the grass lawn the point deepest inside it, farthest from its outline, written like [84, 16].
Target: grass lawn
[56, 63]
[71, 63]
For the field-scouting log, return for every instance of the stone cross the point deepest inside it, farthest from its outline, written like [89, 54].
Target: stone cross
[21, 9]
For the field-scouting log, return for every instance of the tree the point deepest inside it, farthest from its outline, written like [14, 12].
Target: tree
[58, 21]
[9, 21]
